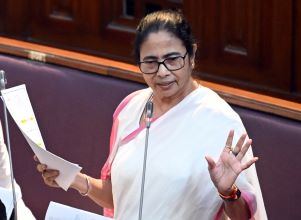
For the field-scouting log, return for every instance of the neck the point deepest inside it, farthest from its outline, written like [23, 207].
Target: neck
[162, 105]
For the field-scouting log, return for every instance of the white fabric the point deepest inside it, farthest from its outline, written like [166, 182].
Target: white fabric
[5, 180]
[177, 182]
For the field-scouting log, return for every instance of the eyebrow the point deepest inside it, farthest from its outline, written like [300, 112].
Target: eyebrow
[163, 57]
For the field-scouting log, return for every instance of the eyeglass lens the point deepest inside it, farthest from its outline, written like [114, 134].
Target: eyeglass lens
[171, 63]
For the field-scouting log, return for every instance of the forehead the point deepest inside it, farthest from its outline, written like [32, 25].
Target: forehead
[160, 43]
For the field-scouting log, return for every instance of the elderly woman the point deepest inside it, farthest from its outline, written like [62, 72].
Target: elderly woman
[192, 170]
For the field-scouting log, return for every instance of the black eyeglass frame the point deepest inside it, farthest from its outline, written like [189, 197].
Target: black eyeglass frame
[163, 62]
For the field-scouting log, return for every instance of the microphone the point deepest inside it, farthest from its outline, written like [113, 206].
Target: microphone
[149, 109]
[149, 113]
[3, 83]
[3, 80]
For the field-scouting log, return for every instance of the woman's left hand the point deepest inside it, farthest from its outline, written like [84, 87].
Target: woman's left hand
[225, 171]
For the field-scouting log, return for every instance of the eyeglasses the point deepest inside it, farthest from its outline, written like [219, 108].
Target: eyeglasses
[170, 63]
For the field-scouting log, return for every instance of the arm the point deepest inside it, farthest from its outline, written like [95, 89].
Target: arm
[100, 191]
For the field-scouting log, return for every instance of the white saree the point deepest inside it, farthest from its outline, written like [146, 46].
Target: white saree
[177, 181]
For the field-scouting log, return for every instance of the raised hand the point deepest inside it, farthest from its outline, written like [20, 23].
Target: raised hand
[225, 171]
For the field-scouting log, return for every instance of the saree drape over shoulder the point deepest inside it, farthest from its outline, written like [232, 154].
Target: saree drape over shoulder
[177, 181]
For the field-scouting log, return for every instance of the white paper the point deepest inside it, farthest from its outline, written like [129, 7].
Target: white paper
[6, 196]
[57, 211]
[18, 104]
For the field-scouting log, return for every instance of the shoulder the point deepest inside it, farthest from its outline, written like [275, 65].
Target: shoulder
[212, 103]
[211, 109]
[137, 94]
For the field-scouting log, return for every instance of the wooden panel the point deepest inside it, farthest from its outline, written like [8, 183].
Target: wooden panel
[59, 15]
[2, 15]
[296, 85]
[64, 15]
[117, 31]
[15, 15]
[95, 27]
[244, 43]
[239, 31]
[72, 24]
[115, 24]
[61, 10]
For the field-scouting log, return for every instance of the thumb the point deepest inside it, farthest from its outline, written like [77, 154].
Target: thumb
[211, 163]
[35, 158]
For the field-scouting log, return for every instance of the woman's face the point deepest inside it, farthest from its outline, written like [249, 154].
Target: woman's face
[166, 84]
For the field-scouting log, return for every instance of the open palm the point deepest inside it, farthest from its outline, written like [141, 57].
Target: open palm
[225, 171]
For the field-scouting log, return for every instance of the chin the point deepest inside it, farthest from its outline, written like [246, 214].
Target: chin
[166, 94]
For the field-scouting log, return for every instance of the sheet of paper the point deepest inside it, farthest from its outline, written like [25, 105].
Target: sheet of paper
[57, 211]
[18, 104]
[6, 196]
[67, 169]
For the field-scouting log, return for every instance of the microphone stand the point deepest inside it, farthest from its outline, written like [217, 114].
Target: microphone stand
[149, 114]
[3, 82]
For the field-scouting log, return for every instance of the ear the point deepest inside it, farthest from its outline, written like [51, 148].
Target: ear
[194, 47]
[192, 57]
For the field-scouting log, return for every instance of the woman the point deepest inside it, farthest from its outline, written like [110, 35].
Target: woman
[189, 123]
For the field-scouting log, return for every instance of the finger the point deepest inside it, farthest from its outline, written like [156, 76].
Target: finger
[35, 158]
[49, 177]
[229, 141]
[244, 149]
[54, 184]
[50, 181]
[211, 163]
[41, 167]
[249, 163]
[239, 143]
[50, 174]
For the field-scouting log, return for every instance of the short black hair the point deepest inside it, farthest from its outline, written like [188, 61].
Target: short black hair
[165, 20]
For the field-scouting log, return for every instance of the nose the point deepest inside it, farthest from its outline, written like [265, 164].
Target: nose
[162, 71]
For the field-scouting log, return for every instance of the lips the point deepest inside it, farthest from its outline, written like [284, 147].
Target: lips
[165, 85]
